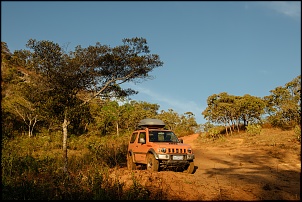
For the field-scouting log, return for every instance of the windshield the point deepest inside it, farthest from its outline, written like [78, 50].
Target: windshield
[162, 136]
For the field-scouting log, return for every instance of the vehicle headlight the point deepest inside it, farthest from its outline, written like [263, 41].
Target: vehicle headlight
[190, 156]
[190, 150]
[162, 150]
[163, 156]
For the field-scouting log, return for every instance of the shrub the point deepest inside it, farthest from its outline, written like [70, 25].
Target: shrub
[214, 133]
[32, 170]
[297, 131]
[253, 129]
[109, 150]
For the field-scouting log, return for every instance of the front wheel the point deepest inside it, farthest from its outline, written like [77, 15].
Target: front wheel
[130, 164]
[152, 163]
[190, 168]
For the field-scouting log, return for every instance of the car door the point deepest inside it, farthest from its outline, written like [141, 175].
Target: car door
[140, 149]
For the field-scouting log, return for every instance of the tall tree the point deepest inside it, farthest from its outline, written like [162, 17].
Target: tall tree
[17, 90]
[188, 123]
[284, 104]
[226, 109]
[21, 102]
[98, 70]
[5, 52]
[251, 109]
[219, 109]
[170, 118]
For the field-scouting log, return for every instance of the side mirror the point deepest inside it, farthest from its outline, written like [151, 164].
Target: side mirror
[181, 140]
[142, 140]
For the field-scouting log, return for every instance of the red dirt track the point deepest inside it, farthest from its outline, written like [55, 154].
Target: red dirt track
[235, 168]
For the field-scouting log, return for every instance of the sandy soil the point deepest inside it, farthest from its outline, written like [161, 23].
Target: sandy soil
[238, 167]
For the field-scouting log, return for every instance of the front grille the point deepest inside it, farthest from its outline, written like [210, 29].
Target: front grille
[176, 150]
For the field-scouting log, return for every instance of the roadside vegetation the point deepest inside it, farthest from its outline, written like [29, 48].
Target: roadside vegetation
[32, 169]
[66, 120]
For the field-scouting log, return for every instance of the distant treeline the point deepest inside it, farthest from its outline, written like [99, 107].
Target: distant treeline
[282, 108]
[47, 88]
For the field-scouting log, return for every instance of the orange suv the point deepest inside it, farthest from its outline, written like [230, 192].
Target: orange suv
[155, 147]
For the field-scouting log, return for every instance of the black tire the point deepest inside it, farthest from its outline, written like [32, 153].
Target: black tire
[190, 168]
[130, 164]
[152, 163]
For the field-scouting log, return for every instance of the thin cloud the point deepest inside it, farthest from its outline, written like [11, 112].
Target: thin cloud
[178, 106]
[288, 8]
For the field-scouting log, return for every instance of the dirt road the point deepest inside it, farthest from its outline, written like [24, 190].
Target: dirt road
[235, 168]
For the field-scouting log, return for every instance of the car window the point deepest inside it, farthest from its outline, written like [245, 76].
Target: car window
[162, 136]
[153, 136]
[142, 135]
[133, 137]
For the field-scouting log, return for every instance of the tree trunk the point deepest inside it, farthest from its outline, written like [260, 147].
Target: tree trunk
[64, 126]
[238, 124]
[230, 128]
[117, 131]
[233, 124]
[29, 131]
[33, 126]
[226, 129]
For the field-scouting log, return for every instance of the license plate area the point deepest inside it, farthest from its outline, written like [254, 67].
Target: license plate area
[178, 157]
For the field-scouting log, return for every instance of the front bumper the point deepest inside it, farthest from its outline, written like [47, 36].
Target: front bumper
[175, 158]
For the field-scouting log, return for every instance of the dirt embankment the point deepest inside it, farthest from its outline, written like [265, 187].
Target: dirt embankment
[262, 167]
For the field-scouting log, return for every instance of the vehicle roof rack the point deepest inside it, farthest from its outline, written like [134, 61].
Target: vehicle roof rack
[150, 127]
[151, 123]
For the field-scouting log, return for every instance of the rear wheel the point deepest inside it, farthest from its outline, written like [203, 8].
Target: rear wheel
[152, 163]
[190, 168]
[130, 164]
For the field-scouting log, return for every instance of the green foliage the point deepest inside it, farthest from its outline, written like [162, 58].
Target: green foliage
[207, 126]
[5, 52]
[229, 110]
[111, 150]
[284, 104]
[214, 133]
[32, 170]
[182, 125]
[297, 131]
[253, 129]
[53, 82]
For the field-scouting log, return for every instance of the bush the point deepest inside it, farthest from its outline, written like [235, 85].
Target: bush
[297, 131]
[31, 173]
[214, 133]
[109, 151]
[254, 129]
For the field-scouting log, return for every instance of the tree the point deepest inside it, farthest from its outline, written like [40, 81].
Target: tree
[227, 109]
[142, 110]
[219, 109]
[97, 70]
[188, 123]
[17, 91]
[207, 126]
[5, 52]
[284, 104]
[170, 118]
[107, 117]
[251, 109]
[23, 107]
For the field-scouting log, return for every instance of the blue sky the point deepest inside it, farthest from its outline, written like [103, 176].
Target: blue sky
[208, 47]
